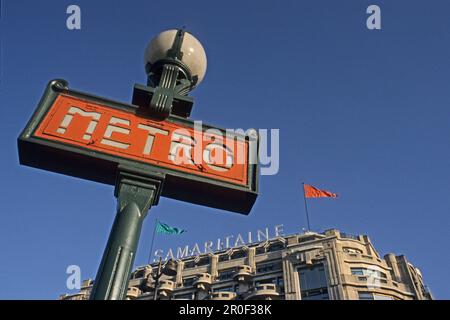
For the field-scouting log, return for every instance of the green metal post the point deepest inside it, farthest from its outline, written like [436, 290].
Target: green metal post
[136, 192]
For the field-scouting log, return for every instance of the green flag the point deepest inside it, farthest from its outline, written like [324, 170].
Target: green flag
[162, 228]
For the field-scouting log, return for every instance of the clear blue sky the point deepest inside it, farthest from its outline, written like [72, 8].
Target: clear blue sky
[362, 113]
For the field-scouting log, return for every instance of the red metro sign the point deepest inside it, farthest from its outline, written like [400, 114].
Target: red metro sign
[99, 128]
[88, 137]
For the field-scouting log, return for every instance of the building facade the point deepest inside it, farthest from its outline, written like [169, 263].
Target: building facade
[308, 266]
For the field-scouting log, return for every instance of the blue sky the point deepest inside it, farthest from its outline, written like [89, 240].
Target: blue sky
[361, 113]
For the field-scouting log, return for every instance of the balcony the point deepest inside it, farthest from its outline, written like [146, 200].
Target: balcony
[76, 296]
[264, 292]
[133, 293]
[203, 281]
[243, 273]
[382, 283]
[359, 257]
[166, 288]
[223, 295]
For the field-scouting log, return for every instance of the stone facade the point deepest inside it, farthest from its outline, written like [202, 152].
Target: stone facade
[308, 266]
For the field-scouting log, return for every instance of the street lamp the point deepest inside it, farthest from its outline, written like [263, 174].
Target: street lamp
[169, 269]
[178, 48]
[175, 63]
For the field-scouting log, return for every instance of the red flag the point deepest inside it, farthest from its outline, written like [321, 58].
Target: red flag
[312, 192]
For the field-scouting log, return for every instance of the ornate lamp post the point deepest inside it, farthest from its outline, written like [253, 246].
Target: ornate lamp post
[175, 63]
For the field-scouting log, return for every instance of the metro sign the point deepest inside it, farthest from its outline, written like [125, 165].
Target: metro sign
[81, 135]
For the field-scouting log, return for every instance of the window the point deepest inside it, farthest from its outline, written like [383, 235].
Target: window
[275, 280]
[226, 289]
[365, 296]
[313, 283]
[351, 250]
[381, 297]
[260, 250]
[226, 275]
[189, 264]
[357, 271]
[276, 247]
[368, 272]
[188, 282]
[372, 296]
[224, 257]
[280, 284]
[184, 296]
[319, 294]
[313, 277]
[268, 267]
[203, 261]
[238, 254]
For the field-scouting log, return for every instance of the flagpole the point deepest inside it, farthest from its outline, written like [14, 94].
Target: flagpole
[153, 239]
[306, 207]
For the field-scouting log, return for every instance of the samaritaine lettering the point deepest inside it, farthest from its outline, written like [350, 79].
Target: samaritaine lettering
[227, 242]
